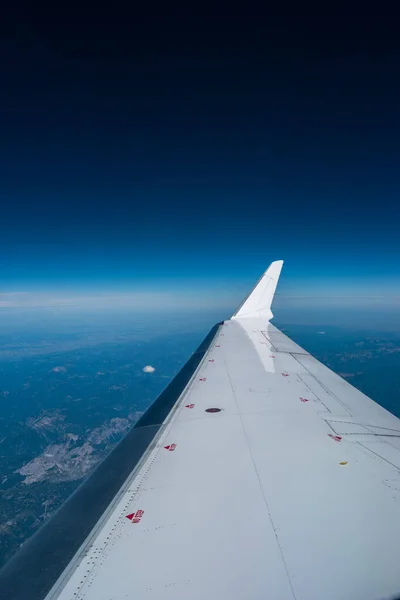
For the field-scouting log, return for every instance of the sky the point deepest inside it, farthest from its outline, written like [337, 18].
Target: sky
[182, 154]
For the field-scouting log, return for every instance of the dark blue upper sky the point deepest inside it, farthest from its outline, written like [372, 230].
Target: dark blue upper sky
[159, 152]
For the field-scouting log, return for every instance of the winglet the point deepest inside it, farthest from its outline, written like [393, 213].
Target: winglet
[258, 302]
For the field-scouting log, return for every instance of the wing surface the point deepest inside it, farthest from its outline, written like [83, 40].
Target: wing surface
[265, 475]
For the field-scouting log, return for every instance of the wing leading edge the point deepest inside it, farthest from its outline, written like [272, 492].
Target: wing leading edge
[287, 488]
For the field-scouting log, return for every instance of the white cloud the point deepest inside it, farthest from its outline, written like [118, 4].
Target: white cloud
[148, 369]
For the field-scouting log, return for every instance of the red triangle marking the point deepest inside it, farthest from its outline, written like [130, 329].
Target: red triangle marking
[167, 447]
[130, 517]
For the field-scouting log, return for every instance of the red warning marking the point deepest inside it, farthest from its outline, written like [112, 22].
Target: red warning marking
[285, 374]
[170, 447]
[272, 355]
[189, 405]
[135, 517]
[203, 379]
[337, 438]
[304, 399]
[211, 360]
[218, 346]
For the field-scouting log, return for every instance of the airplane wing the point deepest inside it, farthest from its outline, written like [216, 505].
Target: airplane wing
[258, 473]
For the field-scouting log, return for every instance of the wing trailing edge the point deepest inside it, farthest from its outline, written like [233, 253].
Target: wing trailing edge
[258, 302]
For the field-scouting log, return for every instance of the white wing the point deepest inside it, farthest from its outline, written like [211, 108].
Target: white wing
[289, 488]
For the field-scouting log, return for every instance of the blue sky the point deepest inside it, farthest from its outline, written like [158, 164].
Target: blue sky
[171, 165]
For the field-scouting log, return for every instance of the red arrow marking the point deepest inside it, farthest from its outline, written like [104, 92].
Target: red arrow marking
[304, 399]
[135, 517]
[285, 374]
[272, 355]
[211, 360]
[337, 438]
[171, 447]
[189, 405]
[203, 379]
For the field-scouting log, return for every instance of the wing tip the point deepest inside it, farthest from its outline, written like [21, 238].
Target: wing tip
[276, 265]
[258, 302]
